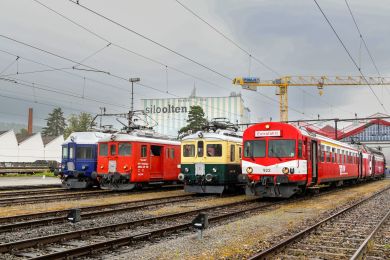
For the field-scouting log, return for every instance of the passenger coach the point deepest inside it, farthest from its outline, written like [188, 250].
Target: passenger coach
[281, 160]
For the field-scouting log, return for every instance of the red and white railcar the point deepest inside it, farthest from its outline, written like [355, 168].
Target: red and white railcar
[126, 161]
[281, 160]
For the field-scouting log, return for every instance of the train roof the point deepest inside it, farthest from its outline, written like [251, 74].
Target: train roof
[327, 139]
[220, 135]
[85, 137]
[140, 136]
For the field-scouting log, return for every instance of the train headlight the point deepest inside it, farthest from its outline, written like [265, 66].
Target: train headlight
[285, 170]
[101, 166]
[84, 167]
[214, 169]
[125, 167]
[63, 166]
[208, 177]
[186, 169]
[181, 177]
[249, 170]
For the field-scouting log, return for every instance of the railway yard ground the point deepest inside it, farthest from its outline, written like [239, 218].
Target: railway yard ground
[28, 181]
[261, 224]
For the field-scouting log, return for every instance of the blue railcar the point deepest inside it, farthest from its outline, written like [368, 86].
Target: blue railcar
[79, 160]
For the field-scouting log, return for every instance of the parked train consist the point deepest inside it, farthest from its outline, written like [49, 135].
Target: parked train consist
[127, 161]
[79, 159]
[210, 161]
[281, 160]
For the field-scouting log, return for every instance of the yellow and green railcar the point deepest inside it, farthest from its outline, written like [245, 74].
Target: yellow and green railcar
[210, 162]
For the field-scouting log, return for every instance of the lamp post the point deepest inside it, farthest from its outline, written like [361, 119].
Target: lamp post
[132, 80]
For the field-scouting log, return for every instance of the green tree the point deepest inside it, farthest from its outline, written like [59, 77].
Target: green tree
[23, 132]
[196, 120]
[55, 123]
[78, 123]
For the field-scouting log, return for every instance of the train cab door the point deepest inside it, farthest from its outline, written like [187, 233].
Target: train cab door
[71, 164]
[314, 161]
[156, 169]
[360, 165]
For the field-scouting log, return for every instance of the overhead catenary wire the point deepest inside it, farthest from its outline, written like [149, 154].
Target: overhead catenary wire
[165, 47]
[151, 40]
[349, 55]
[9, 66]
[250, 55]
[362, 38]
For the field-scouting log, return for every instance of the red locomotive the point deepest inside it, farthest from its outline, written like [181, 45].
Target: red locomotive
[126, 161]
[281, 160]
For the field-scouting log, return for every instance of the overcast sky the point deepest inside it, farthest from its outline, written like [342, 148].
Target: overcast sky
[291, 37]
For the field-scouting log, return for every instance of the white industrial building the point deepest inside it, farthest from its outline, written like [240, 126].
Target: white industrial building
[30, 148]
[171, 114]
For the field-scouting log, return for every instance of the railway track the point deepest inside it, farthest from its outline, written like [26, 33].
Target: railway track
[83, 242]
[344, 235]
[66, 195]
[60, 216]
[29, 187]
[32, 192]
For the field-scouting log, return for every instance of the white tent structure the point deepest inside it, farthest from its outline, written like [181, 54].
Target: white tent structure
[31, 148]
[52, 148]
[14, 148]
[8, 146]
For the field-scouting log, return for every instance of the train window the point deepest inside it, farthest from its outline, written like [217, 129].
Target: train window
[200, 148]
[322, 158]
[333, 155]
[232, 153]
[342, 157]
[214, 150]
[84, 153]
[254, 148]
[327, 155]
[144, 150]
[299, 148]
[171, 153]
[103, 149]
[281, 148]
[71, 152]
[124, 149]
[113, 149]
[239, 152]
[64, 152]
[338, 156]
[155, 150]
[188, 150]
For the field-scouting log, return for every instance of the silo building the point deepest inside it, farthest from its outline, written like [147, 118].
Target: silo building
[171, 114]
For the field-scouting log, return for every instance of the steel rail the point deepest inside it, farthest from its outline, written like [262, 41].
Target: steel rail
[77, 194]
[117, 242]
[49, 197]
[267, 253]
[33, 192]
[88, 215]
[22, 244]
[363, 247]
[29, 187]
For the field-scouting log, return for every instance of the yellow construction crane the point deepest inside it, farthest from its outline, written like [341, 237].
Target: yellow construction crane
[282, 84]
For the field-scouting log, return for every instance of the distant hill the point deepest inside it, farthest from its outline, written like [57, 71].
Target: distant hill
[17, 127]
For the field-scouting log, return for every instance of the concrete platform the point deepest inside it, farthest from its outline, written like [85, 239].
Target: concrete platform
[30, 181]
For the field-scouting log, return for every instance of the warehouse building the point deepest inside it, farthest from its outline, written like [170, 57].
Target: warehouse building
[30, 148]
[171, 114]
